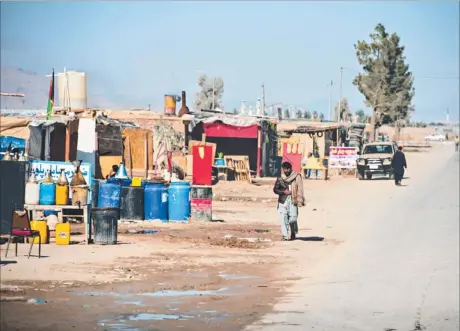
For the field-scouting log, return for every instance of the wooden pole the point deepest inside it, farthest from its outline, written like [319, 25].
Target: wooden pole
[146, 155]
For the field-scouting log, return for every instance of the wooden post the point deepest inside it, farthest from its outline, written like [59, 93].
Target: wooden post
[259, 151]
[203, 138]
[67, 143]
[130, 157]
[146, 155]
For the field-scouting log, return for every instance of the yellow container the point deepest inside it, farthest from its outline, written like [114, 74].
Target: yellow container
[63, 234]
[42, 227]
[62, 195]
[137, 182]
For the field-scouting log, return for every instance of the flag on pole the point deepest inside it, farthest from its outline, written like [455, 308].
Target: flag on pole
[49, 110]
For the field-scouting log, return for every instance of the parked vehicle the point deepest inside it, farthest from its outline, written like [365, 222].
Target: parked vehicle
[376, 158]
[436, 137]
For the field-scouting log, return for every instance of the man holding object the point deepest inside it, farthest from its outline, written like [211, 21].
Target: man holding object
[289, 188]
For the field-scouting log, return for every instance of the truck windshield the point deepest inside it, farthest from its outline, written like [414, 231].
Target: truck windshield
[378, 149]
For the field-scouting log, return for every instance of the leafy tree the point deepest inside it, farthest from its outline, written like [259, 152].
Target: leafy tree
[314, 116]
[361, 116]
[287, 113]
[204, 98]
[345, 111]
[298, 113]
[387, 83]
[321, 117]
[307, 114]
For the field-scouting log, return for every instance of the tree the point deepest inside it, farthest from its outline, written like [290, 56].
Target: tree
[307, 114]
[204, 98]
[345, 111]
[387, 83]
[298, 113]
[321, 117]
[287, 113]
[314, 116]
[361, 116]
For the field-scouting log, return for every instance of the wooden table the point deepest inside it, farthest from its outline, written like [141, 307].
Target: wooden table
[31, 208]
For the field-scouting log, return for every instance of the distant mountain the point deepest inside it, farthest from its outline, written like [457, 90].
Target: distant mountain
[35, 87]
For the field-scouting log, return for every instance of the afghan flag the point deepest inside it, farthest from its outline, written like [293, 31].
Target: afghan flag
[49, 110]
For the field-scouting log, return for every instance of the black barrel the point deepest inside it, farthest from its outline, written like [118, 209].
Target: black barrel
[132, 203]
[94, 193]
[105, 223]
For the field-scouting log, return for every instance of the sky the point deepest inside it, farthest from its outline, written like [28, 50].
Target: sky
[139, 51]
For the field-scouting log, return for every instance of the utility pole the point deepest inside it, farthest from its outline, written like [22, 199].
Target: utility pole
[330, 101]
[263, 100]
[213, 94]
[340, 104]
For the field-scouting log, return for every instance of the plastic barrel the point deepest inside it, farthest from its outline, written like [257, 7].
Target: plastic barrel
[132, 203]
[155, 202]
[120, 181]
[179, 201]
[108, 195]
[62, 194]
[95, 191]
[47, 193]
[105, 224]
[201, 203]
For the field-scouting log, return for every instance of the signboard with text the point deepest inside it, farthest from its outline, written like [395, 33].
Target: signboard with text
[342, 157]
[41, 167]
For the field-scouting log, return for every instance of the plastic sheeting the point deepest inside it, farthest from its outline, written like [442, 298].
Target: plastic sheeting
[229, 120]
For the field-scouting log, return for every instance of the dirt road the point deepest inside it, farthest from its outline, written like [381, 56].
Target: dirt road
[399, 267]
[357, 264]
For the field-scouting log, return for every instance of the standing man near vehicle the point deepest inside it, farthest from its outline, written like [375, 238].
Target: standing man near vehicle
[289, 188]
[456, 143]
[399, 164]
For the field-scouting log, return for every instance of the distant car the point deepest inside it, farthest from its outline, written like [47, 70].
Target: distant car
[435, 137]
[376, 158]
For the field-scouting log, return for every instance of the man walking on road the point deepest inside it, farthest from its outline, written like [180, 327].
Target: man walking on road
[456, 143]
[399, 164]
[289, 188]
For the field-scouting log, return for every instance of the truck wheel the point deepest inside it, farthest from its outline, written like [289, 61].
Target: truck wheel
[360, 176]
[369, 176]
[390, 176]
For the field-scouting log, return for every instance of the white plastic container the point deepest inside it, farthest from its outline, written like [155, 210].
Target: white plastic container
[32, 194]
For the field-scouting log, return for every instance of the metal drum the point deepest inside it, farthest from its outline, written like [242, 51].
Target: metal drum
[132, 203]
[201, 203]
[155, 202]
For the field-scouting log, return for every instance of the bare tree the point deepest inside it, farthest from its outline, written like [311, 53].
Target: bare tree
[212, 90]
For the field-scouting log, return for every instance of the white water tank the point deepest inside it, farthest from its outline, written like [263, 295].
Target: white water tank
[72, 90]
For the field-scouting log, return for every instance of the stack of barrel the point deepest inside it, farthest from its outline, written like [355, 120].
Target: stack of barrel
[150, 201]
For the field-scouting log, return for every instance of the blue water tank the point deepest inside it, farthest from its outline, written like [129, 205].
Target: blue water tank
[108, 195]
[179, 201]
[47, 194]
[155, 201]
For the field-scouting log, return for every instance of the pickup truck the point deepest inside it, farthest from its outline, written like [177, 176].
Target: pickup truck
[376, 158]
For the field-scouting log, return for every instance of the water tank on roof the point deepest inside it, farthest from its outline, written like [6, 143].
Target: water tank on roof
[72, 90]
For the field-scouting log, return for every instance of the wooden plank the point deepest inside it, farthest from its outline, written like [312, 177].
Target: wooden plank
[106, 163]
[197, 142]
[137, 139]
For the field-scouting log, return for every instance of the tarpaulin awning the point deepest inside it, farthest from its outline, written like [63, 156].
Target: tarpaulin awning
[222, 130]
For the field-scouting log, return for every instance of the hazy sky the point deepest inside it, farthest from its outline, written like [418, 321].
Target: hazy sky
[138, 51]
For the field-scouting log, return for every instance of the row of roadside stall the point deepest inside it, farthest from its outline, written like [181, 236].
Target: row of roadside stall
[137, 166]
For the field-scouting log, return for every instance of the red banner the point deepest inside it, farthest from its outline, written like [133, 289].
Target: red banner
[220, 130]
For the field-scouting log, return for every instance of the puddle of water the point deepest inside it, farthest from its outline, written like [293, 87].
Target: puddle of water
[99, 294]
[118, 327]
[184, 293]
[236, 276]
[157, 317]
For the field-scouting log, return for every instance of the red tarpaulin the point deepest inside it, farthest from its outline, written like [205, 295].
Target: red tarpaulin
[220, 130]
[293, 156]
[202, 165]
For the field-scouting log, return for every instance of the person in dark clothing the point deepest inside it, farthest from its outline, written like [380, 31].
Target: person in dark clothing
[289, 188]
[399, 164]
[113, 172]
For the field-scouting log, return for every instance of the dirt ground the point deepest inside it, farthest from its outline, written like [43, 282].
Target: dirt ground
[196, 276]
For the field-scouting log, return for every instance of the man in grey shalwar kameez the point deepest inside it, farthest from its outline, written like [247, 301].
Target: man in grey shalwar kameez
[289, 188]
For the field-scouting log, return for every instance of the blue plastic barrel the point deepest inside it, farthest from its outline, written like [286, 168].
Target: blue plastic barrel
[47, 193]
[179, 201]
[108, 195]
[121, 181]
[155, 202]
